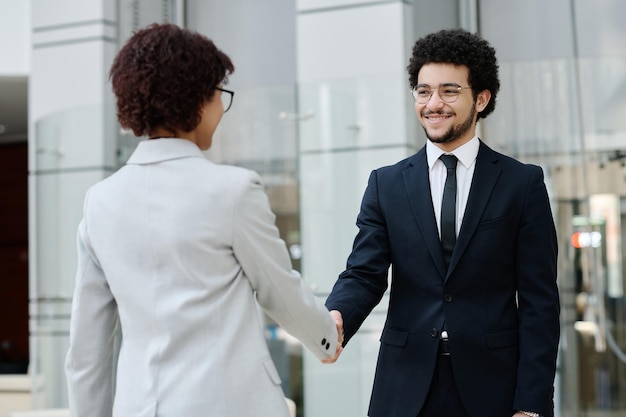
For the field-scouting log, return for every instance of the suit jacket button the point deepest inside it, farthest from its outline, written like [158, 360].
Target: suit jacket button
[434, 332]
[324, 342]
[447, 298]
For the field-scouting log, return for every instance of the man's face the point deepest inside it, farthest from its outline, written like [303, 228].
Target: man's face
[448, 125]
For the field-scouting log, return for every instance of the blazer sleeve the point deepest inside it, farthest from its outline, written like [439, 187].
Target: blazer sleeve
[90, 360]
[362, 285]
[280, 290]
[538, 301]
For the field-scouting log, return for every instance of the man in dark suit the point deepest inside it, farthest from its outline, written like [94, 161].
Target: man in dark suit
[473, 320]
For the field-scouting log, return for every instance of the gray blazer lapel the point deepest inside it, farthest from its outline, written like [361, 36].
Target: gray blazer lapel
[417, 187]
[486, 175]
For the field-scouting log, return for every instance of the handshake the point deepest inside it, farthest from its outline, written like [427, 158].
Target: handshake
[336, 315]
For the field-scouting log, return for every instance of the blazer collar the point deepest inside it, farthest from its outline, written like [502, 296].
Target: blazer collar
[165, 149]
[486, 176]
[417, 186]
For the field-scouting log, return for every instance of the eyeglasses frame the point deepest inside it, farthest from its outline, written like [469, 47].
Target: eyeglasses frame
[439, 88]
[232, 96]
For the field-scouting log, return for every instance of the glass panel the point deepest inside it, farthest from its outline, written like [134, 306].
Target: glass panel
[70, 157]
[565, 115]
[333, 184]
[59, 199]
[354, 113]
[348, 127]
[63, 139]
[258, 133]
[532, 116]
[561, 106]
[50, 338]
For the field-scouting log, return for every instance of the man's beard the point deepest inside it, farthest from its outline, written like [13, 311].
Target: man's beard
[454, 132]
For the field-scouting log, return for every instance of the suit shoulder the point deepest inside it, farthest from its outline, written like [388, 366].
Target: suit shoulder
[397, 167]
[508, 162]
[237, 181]
[235, 172]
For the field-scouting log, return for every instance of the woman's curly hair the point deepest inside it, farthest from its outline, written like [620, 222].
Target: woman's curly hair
[459, 47]
[163, 76]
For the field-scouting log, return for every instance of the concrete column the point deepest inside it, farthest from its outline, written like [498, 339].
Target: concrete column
[356, 114]
[72, 142]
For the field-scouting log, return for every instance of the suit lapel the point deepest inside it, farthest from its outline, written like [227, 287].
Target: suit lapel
[485, 177]
[417, 186]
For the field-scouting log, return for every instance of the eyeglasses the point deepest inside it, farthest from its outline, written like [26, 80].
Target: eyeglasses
[227, 98]
[447, 92]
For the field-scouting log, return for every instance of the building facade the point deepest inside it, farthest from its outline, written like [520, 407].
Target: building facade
[322, 98]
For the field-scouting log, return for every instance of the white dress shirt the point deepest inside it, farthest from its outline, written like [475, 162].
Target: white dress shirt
[466, 154]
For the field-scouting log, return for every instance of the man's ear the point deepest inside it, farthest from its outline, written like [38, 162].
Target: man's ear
[482, 100]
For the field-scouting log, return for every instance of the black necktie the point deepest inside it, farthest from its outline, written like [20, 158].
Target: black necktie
[448, 208]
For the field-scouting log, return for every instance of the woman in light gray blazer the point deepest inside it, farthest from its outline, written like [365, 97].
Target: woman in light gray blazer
[180, 250]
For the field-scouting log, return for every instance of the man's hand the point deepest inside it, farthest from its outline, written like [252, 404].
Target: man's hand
[336, 315]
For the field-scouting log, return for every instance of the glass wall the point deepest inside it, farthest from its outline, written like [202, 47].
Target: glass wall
[563, 106]
[60, 175]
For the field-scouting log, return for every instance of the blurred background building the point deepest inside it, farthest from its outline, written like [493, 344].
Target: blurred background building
[321, 99]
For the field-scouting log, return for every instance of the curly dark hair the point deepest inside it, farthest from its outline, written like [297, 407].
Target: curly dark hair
[162, 77]
[459, 47]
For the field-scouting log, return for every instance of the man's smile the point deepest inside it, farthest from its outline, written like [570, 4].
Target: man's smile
[437, 117]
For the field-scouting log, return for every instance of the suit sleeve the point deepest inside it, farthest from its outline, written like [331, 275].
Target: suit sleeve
[280, 290]
[362, 285]
[90, 360]
[538, 301]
